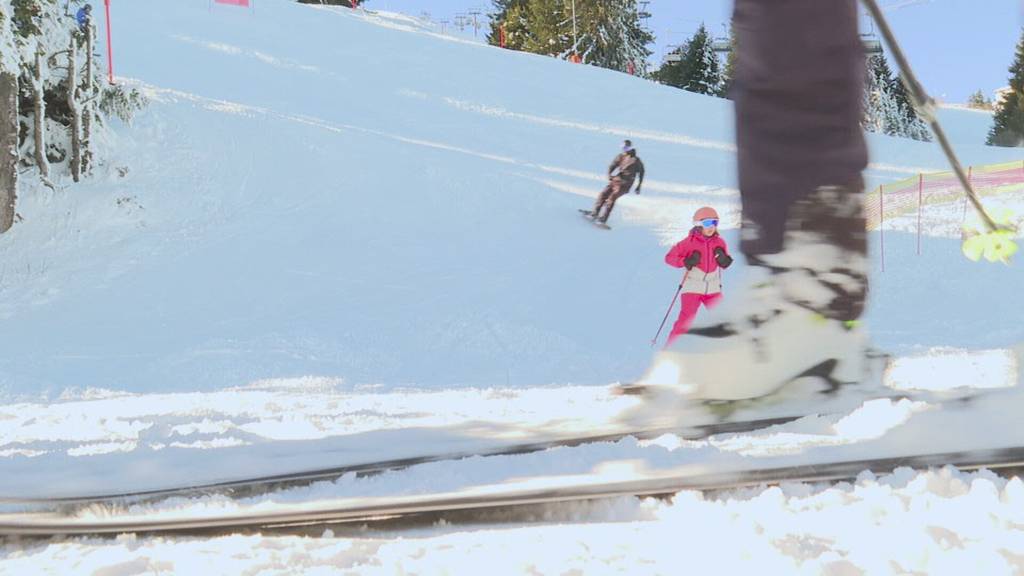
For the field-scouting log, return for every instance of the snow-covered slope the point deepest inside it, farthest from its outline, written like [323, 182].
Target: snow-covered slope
[314, 191]
[965, 125]
[317, 192]
[322, 208]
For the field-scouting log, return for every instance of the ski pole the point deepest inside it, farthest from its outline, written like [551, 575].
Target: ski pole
[667, 312]
[926, 107]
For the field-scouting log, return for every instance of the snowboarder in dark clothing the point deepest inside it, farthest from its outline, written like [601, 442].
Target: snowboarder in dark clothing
[622, 172]
[800, 151]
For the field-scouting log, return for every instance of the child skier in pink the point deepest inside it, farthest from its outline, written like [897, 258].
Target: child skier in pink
[704, 254]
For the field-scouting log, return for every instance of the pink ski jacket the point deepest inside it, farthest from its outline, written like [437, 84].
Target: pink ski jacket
[706, 276]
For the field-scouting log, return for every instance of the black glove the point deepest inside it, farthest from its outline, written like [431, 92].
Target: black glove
[692, 260]
[723, 259]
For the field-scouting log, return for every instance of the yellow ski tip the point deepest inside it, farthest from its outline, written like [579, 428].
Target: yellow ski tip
[995, 246]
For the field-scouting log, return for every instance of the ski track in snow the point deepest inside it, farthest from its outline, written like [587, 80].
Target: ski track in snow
[632, 133]
[704, 193]
[662, 214]
[256, 54]
[648, 135]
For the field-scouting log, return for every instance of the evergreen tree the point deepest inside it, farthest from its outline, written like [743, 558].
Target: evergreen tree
[609, 33]
[1008, 124]
[8, 51]
[8, 119]
[26, 17]
[701, 65]
[887, 105]
[878, 110]
[549, 31]
[979, 101]
[697, 67]
[729, 74]
[510, 14]
[909, 124]
[60, 99]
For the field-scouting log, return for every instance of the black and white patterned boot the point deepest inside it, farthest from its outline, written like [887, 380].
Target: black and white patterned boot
[791, 314]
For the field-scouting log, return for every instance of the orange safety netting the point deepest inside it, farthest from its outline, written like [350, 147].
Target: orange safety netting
[913, 194]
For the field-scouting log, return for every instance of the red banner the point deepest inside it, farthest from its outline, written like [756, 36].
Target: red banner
[233, 2]
[110, 46]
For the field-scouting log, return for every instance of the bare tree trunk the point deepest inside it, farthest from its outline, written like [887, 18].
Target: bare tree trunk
[39, 113]
[88, 92]
[8, 148]
[76, 112]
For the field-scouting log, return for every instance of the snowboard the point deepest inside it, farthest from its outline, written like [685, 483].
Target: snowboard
[588, 215]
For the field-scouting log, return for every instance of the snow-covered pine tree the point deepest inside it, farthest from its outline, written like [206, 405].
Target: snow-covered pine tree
[612, 35]
[910, 125]
[698, 69]
[729, 73]
[59, 95]
[509, 18]
[550, 28]
[704, 76]
[887, 106]
[878, 109]
[1008, 123]
[38, 72]
[9, 71]
[609, 33]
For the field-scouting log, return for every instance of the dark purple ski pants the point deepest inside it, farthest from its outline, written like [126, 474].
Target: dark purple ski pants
[798, 94]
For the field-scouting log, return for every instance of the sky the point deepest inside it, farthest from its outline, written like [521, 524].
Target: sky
[933, 33]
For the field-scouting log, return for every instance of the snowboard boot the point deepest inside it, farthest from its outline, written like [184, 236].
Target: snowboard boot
[792, 314]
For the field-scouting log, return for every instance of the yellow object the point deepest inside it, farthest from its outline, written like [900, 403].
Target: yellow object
[994, 246]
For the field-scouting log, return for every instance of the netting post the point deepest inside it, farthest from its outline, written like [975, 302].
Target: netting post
[970, 170]
[881, 225]
[920, 207]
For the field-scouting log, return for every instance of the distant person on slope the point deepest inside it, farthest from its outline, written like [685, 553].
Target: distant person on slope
[84, 16]
[624, 169]
[704, 254]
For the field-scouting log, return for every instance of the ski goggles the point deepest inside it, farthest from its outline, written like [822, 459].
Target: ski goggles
[709, 222]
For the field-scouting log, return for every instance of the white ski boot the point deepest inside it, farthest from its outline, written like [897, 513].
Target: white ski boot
[791, 314]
